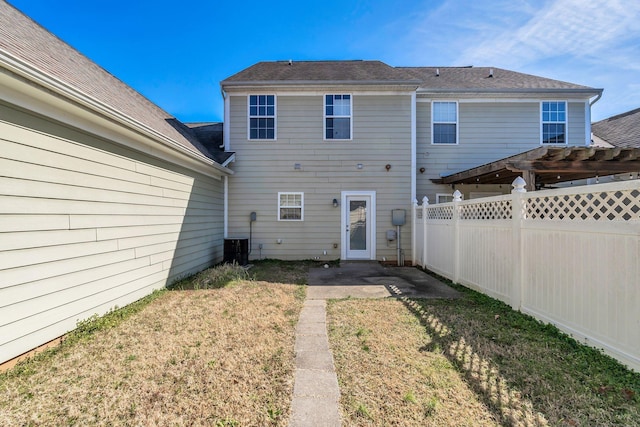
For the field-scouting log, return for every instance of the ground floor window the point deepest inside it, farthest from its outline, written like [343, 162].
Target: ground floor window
[290, 206]
[444, 198]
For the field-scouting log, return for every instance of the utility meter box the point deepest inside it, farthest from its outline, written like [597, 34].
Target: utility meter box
[398, 216]
[391, 235]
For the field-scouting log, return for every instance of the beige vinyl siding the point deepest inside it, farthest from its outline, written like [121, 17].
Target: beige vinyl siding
[86, 225]
[487, 132]
[381, 135]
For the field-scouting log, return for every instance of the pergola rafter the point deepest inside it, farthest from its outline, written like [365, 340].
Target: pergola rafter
[550, 165]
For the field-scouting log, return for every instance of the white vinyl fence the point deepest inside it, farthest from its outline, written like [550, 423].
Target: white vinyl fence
[570, 256]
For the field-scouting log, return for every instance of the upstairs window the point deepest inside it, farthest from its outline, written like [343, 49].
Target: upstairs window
[554, 122]
[337, 116]
[445, 122]
[262, 117]
[290, 206]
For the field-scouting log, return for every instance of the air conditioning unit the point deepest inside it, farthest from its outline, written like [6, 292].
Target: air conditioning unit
[236, 250]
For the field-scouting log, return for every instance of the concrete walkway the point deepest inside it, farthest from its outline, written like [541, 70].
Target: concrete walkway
[316, 394]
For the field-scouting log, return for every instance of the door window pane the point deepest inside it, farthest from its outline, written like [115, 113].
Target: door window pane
[358, 225]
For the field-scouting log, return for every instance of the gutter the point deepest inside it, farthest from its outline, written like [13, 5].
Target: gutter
[306, 83]
[585, 91]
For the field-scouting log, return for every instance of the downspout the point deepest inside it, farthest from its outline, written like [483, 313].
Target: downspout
[226, 135]
[595, 100]
[225, 146]
[226, 205]
[587, 121]
[414, 154]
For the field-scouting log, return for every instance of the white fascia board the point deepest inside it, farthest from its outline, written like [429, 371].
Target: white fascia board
[231, 159]
[457, 97]
[319, 90]
[35, 91]
[511, 96]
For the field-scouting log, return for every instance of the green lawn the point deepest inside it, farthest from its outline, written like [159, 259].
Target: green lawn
[218, 350]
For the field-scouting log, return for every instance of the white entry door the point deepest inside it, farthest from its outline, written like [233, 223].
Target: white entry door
[358, 212]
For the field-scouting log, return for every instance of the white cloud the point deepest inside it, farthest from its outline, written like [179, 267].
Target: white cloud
[590, 42]
[585, 30]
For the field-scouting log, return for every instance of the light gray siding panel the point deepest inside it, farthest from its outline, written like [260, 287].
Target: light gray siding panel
[576, 120]
[487, 132]
[381, 135]
[86, 225]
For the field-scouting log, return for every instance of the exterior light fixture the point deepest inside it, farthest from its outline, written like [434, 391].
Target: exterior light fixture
[335, 203]
[359, 166]
[388, 167]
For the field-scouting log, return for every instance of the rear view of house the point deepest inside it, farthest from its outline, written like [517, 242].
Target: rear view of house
[328, 151]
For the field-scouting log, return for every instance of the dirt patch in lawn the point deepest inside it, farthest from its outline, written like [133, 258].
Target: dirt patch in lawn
[220, 357]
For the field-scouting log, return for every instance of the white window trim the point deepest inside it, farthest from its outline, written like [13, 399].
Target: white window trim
[439, 195]
[275, 117]
[566, 123]
[324, 117]
[457, 122]
[297, 193]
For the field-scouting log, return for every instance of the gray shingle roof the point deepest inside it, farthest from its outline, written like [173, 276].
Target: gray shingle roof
[320, 72]
[622, 130]
[488, 78]
[23, 39]
[426, 78]
[210, 135]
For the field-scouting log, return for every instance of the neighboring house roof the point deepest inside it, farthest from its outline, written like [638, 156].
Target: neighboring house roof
[429, 79]
[24, 43]
[622, 130]
[210, 135]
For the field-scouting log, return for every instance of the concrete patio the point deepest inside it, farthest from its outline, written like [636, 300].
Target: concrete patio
[316, 394]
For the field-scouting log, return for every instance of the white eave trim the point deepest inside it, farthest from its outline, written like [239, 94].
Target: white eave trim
[231, 159]
[60, 88]
[554, 91]
[306, 83]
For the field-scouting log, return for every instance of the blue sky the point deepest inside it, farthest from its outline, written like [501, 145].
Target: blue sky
[176, 53]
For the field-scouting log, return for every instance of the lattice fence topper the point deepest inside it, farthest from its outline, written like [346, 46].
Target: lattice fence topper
[499, 209]
[621, 205]
[440, 212]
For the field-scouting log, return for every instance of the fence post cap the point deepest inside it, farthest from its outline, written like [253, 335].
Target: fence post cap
[457, 196]
[425, 200]
[519, 185]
